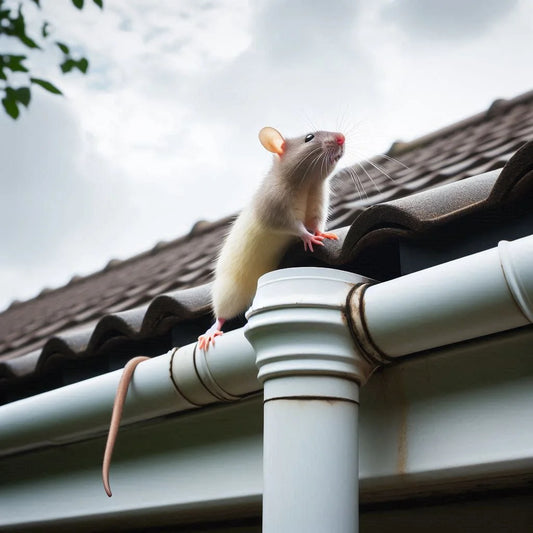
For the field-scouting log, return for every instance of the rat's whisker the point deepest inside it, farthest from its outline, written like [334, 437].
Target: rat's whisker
[311, 124]
[370, 177]
[389, 158]
[302, 161]
[352, 172]
[315, 155]
[380, 169]
[312, 154]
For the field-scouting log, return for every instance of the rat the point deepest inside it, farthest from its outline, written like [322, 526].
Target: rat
[292, 201]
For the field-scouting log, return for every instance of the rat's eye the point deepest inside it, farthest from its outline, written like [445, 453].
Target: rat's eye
[309, 137]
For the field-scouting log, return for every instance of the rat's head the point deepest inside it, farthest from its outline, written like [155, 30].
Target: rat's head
[312, 156]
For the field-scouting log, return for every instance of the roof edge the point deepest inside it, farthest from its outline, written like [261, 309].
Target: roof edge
[497, 107]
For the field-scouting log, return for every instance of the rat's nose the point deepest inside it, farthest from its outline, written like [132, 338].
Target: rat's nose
[340, 139]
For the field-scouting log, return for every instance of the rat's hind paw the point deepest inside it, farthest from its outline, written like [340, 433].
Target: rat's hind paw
[208, 338]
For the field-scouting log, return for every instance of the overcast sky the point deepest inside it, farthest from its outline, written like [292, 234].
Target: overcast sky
[162, 132]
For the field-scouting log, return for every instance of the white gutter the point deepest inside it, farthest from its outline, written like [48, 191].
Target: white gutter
[303, 350]
[177, 381]
[471, 297]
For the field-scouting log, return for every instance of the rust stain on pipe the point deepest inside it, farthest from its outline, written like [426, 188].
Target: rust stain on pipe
[403, 427]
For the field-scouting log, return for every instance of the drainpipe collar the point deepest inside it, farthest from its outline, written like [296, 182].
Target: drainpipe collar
[297, 325]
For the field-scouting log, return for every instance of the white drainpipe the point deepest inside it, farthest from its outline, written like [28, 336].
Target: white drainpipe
[311, 375]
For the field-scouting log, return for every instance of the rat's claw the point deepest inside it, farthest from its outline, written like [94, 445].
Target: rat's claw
[331, 236]
[201, 342]
[208, 338]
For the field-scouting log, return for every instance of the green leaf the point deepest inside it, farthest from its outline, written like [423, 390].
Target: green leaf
[99, 3]
[83, 65]
[78, 3]
[10, 105]
[63, 47]
[46, 85]
[18, 29]
[37, 3]
[14, 63]
[67, 65]
[28, 41]
[45, 32]
[23, 95]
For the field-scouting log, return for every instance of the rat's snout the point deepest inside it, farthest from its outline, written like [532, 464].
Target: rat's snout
[335, 145]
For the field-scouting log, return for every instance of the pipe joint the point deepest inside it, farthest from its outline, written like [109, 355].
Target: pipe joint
[355, 314]
[298, 327]
[193, 379]
[224, 373]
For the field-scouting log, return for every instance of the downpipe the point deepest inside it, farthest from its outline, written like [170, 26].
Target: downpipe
[311, 374]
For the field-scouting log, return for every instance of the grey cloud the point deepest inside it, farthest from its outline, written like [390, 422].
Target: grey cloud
[304, 57]
[300, 31]
[447, 19]
[48, 198]
[37, 183]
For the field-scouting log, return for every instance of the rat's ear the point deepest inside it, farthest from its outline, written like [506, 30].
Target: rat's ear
[272, 140]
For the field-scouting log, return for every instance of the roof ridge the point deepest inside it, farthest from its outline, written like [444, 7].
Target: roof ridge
[498, 106]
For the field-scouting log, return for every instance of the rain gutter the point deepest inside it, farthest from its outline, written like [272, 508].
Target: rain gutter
[471, 297]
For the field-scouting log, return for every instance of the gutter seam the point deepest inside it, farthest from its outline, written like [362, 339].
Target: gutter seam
[513, 280]
[206, 378]
[180, 392]
[355, 305]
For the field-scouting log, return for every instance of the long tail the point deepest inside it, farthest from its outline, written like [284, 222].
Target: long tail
[118, 407]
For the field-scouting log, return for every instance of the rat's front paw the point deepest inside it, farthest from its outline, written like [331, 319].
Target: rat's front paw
[309, 239]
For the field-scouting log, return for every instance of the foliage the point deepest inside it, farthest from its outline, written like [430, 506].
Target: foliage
[13, 26]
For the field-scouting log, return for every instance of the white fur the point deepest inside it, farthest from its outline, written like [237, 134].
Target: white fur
[251, 249]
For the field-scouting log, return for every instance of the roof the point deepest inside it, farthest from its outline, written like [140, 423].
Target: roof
[160, 298]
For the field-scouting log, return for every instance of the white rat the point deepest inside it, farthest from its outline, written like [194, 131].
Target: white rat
[292, 201]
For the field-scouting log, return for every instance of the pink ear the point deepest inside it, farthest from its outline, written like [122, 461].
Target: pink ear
[272, 140]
